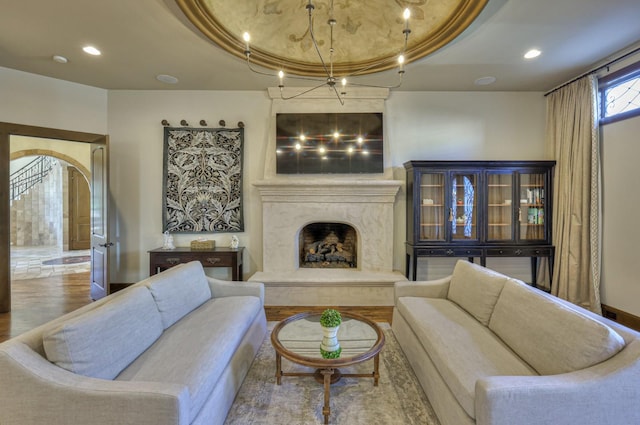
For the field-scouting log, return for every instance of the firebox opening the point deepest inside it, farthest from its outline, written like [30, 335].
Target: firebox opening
[328, 245]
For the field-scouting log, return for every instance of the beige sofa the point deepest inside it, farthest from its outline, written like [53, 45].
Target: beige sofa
[171, 349]
[491, 350]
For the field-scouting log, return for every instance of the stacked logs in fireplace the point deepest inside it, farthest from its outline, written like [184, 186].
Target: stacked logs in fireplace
[328, 245]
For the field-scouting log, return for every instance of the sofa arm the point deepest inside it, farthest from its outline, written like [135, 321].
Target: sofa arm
[605, 393]
[35, 391]
[225, 288]
[438, 288]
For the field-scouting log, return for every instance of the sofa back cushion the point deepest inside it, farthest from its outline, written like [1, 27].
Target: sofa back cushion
[475, 289]
[551, 337]
[179, 290]
[102, 342]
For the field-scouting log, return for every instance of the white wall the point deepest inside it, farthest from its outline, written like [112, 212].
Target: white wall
[442, 125]
[620, 286]
[136, 147]
[31, 99]
[461, 126]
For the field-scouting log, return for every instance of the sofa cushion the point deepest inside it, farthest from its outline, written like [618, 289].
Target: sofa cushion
[551, 337]
[179, 290]
[196, 350]
[461, 348]
[475, 289]
[103, 341]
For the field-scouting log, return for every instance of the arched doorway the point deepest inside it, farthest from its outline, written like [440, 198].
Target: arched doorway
[49, 210]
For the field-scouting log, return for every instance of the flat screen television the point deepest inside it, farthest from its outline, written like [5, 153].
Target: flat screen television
[329, 143]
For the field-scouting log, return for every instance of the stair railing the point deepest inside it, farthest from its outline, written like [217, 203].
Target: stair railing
[29, 175]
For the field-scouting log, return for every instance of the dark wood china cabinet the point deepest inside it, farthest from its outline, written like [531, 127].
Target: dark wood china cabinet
[479, 209]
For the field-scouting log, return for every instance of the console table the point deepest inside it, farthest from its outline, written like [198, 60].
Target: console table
[162, 259]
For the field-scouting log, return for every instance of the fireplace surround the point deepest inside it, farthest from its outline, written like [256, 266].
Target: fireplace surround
[365, 202]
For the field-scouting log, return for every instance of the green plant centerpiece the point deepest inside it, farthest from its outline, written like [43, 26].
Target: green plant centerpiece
[330, 321]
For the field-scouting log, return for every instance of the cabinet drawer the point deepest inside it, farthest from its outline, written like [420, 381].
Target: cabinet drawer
[467, 252]
[207, 260]
[519, 252]
[449, 252]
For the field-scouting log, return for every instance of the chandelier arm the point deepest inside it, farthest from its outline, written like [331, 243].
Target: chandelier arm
[256, 71]
[395, 86]
[315, 43]
[301, 93]
[337, 94]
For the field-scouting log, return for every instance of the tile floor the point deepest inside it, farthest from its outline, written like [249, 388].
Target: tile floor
[27, 262]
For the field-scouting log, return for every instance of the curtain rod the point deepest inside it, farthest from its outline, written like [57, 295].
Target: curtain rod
[594, 70]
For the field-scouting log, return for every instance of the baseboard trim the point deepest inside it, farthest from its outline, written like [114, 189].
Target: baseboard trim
[375, 313]
[622, 317]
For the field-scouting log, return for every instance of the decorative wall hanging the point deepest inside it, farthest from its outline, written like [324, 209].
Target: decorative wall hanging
[202, 180]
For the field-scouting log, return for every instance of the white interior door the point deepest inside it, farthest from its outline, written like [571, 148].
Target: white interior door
[99, 220]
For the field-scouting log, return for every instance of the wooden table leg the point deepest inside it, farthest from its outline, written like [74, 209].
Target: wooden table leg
[278, 368]
[376, 371]
[326, 409]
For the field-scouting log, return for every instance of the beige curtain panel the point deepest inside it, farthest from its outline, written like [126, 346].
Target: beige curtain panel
[572, 137]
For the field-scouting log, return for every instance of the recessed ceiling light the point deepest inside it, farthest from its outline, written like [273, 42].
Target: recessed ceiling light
[91, 50]
[60, 59]
[165, 78]
[533, 53]
[484, 81]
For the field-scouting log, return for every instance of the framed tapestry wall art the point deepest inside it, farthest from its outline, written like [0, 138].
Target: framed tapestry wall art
[202, 180]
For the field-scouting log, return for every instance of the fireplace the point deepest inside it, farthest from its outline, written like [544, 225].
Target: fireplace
[349, 214]
[328, 245]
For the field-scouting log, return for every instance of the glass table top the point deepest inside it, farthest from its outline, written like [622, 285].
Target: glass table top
[303, 336]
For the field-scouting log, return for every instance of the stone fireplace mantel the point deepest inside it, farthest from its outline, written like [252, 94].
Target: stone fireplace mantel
[328, 190]
[291, 203]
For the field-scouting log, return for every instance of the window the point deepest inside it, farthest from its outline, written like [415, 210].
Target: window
[620, 95]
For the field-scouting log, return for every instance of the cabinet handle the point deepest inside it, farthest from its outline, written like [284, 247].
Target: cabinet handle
[518, 251]
[173, 261]
[450, 214]
[213, 260]
[520, 215]
[449, 252]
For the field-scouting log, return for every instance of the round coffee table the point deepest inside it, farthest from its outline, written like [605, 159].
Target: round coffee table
[297, 338]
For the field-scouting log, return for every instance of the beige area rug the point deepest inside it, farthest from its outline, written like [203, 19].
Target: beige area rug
[397, 400]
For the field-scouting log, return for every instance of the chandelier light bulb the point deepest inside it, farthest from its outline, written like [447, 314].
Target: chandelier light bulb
[246, 38]
[350, 149]
[281, 77]
[360, 140]
[336, 135]
[344, 82]
[401, 63]
[303, 137]
[406, 14]
[298, 146]
[322, 149]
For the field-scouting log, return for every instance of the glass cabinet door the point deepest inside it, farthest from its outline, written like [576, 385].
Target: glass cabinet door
[432, 207]
[464, 206]
[532, 206]
[500, 207]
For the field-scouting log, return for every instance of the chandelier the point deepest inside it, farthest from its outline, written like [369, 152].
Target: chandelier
[330, 79]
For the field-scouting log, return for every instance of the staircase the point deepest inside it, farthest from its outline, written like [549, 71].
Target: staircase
[36, 211]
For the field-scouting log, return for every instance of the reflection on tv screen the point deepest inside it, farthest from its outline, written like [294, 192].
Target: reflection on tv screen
[329, 143]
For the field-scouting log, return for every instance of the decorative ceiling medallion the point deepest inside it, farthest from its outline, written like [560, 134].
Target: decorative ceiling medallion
[366, 36]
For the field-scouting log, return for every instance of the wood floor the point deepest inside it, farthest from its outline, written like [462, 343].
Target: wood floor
[37, 301]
